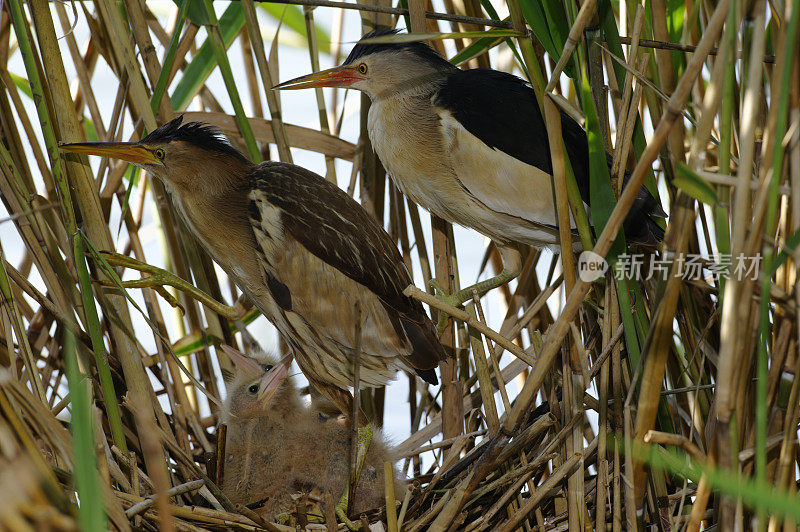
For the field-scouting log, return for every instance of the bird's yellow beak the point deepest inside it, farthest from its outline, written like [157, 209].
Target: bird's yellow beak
[133, 152]
[341, 76]
[272, 379]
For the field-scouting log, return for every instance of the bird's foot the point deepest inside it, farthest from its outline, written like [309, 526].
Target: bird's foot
[441, 322]
[364, 441]
[454, 300]
[466, 294]
[157, 279]
[341, 513]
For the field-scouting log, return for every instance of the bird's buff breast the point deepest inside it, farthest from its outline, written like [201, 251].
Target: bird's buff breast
[409, 147]
[418, 158]
[456, 176]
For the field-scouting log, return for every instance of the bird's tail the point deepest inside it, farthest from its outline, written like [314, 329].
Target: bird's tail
[428, 375]
[427, 351]
[640, 225]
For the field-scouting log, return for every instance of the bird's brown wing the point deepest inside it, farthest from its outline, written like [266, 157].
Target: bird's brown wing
[337, 230]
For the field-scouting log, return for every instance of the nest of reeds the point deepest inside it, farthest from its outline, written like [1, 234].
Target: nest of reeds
[661, 398]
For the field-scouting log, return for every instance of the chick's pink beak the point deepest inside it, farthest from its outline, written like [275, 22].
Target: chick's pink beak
[273, 379]
[242, 361]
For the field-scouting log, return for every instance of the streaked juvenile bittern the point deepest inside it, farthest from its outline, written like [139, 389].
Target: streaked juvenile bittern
[277, 447]
[470, 146]
[302, 250]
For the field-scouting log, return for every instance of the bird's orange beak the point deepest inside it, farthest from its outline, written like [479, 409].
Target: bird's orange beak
[242, 361]
[341, 76]
[132, 152]
[272, 379]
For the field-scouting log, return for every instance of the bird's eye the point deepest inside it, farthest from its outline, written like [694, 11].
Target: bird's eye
[253, 388]
[362, 68]
[160, 153]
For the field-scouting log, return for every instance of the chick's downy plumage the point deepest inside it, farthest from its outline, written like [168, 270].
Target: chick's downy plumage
[277, 448]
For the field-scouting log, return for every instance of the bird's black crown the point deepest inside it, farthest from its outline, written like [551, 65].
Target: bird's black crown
[199, 134]
[421, 50]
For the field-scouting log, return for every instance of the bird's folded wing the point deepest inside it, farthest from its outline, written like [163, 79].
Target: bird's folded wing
[501, 112]
[494, 127]
[499, 181]
[332, 226]
[337, 230]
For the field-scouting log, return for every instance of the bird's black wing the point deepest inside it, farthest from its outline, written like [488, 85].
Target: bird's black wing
[498, 108]
[337, 230]
[501, 110]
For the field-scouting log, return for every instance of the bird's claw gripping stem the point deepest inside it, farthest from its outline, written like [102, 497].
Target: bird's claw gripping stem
[158, 278]
[364, 441]
[450, 299]
[466, 294]
[341, 513]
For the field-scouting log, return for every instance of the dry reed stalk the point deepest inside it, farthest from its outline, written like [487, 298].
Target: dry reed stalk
[416, 293]
[278, 131]
[561, 326]
[475, 481]
[355, 414]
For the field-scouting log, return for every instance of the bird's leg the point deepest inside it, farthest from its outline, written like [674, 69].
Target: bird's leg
[344, 401]
[512, 264]
[158, 278]
[364, 441]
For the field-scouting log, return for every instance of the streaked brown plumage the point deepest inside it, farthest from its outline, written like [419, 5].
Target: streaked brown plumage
[276, 448]
[299, 247]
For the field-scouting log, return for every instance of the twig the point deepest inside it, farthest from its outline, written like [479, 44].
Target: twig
[598, 363]
[440, 444]
[404, 506]
[356, 407]
[253, 516]
[130, 463]
[391, 508]
[587, 11]
[490, 351]
[511, 347]
[547, 486]
[222, 433]
[661, 45]
[330, 512]
[176, 490]
[677, 440]
[397, 11]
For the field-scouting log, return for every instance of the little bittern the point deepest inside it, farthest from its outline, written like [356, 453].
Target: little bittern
[276, 447]
[304, 252]
[470, 146]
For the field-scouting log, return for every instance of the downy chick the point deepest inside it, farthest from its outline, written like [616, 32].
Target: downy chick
[276, 447]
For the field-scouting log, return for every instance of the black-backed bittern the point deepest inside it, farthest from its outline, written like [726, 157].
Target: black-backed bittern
[470, 146]
[302, 250]
[276, 446]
